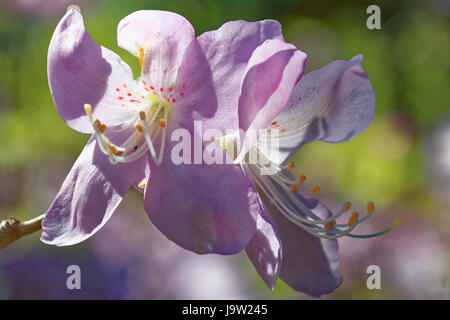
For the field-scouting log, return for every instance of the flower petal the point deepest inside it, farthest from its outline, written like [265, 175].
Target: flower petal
[272, 72]
[196, 99]
[80, 71]
[158, 39]
[264, 250]
[88, 197]
[332, 104]
[310, 264]
[202, 208]
[228, 50]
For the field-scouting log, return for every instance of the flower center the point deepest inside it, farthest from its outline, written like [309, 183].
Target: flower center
[139, 133]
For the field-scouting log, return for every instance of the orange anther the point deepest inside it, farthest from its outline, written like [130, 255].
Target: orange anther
[142, 115]
[315, 189]
[370, 206]
[139, 127]
[112, 148]
[101, 126]
[294, 187]
[302, 178]
[140, 57]
[162, 123]
[329, 225]
[348, 205]
[291, 164]
[351, 221]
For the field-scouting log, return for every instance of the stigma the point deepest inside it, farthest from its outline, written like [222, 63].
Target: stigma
[145, 126]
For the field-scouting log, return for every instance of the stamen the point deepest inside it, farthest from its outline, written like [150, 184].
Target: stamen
[291, 164]
[162, 122]
[281, 190]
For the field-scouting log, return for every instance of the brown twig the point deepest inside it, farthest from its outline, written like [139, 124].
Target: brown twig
[12, 229]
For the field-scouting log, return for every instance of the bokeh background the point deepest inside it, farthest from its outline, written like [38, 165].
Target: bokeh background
[402, 162]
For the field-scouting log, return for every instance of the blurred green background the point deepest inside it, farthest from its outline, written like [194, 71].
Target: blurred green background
[402, 162]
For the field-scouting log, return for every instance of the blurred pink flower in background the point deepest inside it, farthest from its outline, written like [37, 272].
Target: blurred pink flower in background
[41, 8]
[437, 160]
[413, 260]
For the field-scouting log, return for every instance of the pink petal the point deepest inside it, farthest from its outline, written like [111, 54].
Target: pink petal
[272, 72]
[202, 208]
[80, 71]
[159, 39]
[228, 50]
[264, 250]
[88, 197]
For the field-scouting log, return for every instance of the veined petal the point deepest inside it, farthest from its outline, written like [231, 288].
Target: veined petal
[227, 51]
[195, 92]
[264, 249]
[88, 197]
[332, 104]
[310, 264]
[81, 71]
[202, 208]
[158, 39]
[272, 72]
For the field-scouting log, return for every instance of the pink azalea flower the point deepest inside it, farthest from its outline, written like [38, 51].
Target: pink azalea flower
[203, 208]
[296, 234]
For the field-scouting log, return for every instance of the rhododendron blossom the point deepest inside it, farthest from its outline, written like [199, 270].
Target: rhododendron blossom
[296, 234]
[184, 79]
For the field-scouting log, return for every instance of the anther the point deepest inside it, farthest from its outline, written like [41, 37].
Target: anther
[162, 123]
[348, 205]
[101, 126]
[112, 148]
[315, 189]
[329, 225]
[140, 57]
[291, 164]
[139, 127]
[142, 115]
[294, 187]
[302, 178]
[370, 206]
[351, 221]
